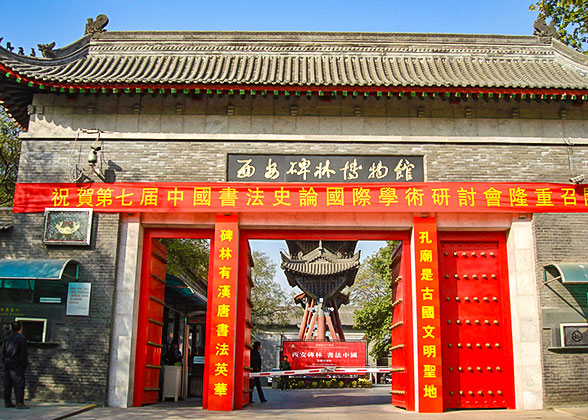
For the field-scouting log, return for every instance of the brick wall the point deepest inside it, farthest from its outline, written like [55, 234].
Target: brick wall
[559, 239]
[75, 366]
[191, 161]
[157, 144]
[564, 376]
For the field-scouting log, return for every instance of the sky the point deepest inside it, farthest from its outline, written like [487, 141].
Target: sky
[272, 250]
[28, 23]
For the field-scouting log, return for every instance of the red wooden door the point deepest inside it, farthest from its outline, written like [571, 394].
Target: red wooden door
[244, 326]
[476, 326]
[150, 325]
[401, 331]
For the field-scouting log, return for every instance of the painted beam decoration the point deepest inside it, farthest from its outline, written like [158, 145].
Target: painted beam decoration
[221, 350]
[428, 326]
[454, 197]
[318, 169]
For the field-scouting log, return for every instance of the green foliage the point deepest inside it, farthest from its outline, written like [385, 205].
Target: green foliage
[570, 18]
[9, 158]
[373, 279]
[373, 295]
[375, 318]
[187, 259]
[272, 305]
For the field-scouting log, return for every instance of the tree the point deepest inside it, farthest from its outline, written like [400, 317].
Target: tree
[373, 294]
[272, 305]
[9, 157]
[570, 19]
[187, 259]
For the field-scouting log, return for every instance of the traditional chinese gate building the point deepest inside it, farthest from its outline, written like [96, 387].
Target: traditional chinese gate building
[458, 146]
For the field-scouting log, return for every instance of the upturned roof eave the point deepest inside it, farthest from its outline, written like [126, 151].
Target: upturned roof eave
[25, 83]
[38, 84]
[28, 87]
[321, 271]
[355, 44]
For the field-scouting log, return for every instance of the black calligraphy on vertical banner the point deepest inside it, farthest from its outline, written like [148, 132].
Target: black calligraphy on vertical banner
[323, 168]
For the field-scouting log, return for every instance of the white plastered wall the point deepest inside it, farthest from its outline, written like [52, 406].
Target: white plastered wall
[128, 277]
[524, 303]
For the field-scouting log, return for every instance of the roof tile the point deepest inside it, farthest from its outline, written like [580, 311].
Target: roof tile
[318, 60]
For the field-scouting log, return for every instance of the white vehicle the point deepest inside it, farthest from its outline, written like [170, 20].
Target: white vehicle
[270, 379]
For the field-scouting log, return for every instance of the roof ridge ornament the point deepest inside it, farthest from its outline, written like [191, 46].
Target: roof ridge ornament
[544, 30]
[96, 26]
[47, 50]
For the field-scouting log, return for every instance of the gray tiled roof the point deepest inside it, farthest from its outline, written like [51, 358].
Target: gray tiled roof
[319, 262]
[322, 268]
[330, 60]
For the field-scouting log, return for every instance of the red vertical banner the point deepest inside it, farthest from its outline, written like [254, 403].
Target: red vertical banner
[222, 297]
[428, 315]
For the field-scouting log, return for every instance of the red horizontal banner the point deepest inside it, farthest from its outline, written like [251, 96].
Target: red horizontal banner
[465, 197]
[308, 354]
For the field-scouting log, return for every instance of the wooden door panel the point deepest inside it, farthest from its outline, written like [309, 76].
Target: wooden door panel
[154, 310]
[476, 331]
[154, 334]
[149, 332]
[246, 283]
[401, 331]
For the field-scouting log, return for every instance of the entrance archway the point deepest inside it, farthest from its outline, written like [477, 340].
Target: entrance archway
[402, 356]
[150, 324]
[413, 361]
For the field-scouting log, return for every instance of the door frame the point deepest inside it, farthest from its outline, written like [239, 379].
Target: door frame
[246, 235]
[403, 236]
[141, 327]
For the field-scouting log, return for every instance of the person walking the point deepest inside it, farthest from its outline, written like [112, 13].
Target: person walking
[256, 367]
[285, 380]
[15, 360]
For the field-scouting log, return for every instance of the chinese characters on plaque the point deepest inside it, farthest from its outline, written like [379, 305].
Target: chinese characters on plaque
[312, 168]
[428, 316]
